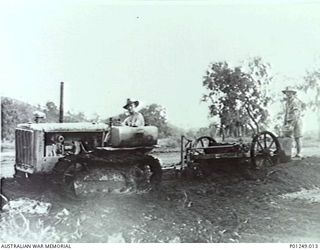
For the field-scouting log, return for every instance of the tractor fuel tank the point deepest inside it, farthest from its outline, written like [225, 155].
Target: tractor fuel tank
[123, 136]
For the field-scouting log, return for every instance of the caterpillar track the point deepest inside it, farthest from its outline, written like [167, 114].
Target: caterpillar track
[89, 174]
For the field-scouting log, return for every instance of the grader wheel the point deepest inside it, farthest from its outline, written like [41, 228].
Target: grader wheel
[265, 150]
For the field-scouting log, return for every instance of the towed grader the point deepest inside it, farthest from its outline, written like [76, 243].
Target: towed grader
[198, 157]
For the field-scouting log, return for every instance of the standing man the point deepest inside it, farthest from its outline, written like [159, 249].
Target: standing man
[292, 119]
[135, 119]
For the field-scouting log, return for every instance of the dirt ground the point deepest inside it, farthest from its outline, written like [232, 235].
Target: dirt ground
[232, 204]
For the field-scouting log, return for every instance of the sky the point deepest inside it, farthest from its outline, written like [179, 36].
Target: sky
[151, 51]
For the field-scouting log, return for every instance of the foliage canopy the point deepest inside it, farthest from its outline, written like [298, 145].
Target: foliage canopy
[238, 95]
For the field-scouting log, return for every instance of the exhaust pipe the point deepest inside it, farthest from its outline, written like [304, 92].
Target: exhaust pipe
[61, 103]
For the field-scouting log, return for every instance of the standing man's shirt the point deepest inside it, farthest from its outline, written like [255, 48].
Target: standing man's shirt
[293, 111]
[293, 116]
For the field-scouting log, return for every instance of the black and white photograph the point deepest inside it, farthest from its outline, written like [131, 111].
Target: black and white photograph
[149, 121]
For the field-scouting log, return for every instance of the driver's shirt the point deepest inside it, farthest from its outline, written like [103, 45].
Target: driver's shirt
[134, 120]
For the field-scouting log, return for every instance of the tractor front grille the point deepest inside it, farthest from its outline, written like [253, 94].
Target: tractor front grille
[24, 147]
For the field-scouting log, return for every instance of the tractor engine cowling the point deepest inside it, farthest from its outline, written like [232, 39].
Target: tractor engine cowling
[134, 136]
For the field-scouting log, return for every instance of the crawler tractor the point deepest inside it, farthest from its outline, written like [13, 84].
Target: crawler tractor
[77, 157]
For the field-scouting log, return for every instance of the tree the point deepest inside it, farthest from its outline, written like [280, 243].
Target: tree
[75, 117]
[311, 86]
[14, 112]
[238, 95]
[156, 115]
[52, 112]
[95, 118]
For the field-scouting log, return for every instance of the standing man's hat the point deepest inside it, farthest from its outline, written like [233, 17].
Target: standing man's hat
[288, 90]
[129, 102]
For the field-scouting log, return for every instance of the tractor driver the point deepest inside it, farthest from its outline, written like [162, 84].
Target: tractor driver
[135, 119]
